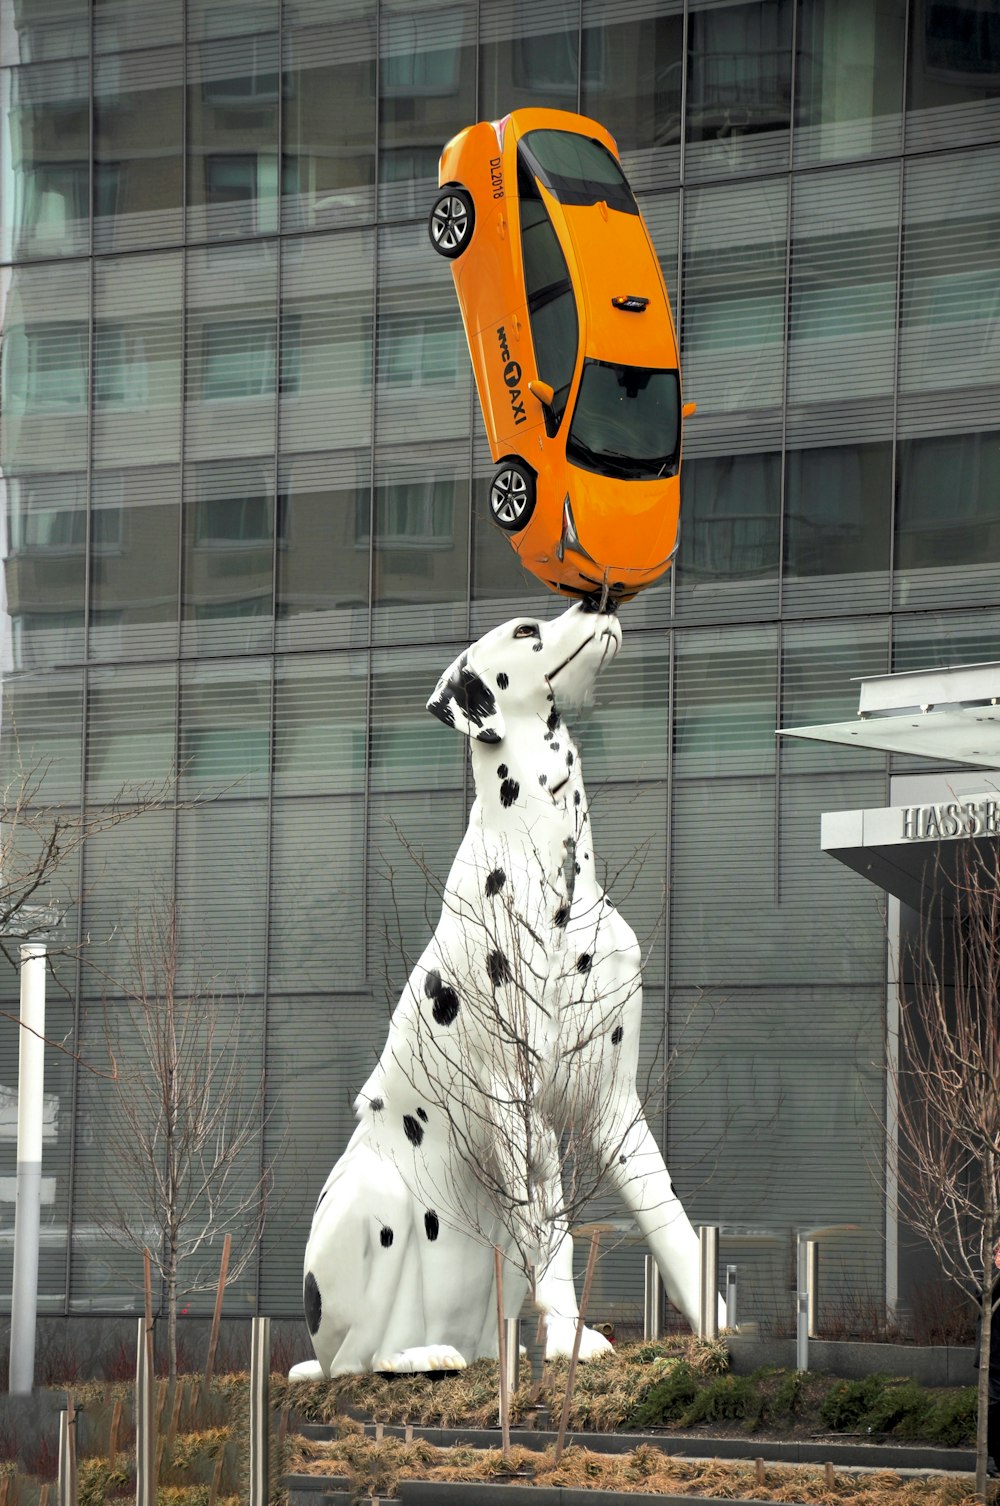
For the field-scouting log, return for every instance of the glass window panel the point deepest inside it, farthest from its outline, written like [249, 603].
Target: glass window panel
[40, 30]
[46, 160]
[739, 86]
[848, 78]
[317, 914]
[948, 519]
[501, 587]
[45, 568]
[953, 74]
[725, 693]
[328, 120]
[221, 891]
[42, 734]
[138, 334]
[633, 60]
[323, 554]
[232, 351]
[233, 158]
[528, 55]
[427, 83]
[730, 534]
[135, 519]
[120, 25]
[950, 324]
[933, 639]
[842, 312]
[733, 324]
[821, 665]
[225, 729]
[132, 728]
[327, 296]
[45, 372]
[406, 751]
[321, 730]
[838, 506]
[229, 545]
[230, 18]
[421, 545]
[138, 162]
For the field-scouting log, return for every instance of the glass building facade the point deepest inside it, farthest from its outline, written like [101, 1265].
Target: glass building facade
[245, 480]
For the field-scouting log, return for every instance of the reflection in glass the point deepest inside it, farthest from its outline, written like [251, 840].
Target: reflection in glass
[739, 81]
[233, 159]
[838, 504]
[329, 120]
[421, 544]
[138, 336]
[954, 59]
[731, 518]
[632, 75]
[36, 31]
[725, 689]
[427, 83]
[46, 160]
[529, 54]
[229, 543]
[948, 512]
[133, 578]
[45, 568]
[138, 160]
[848, 77]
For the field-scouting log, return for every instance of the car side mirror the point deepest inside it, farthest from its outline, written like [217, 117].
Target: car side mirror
[543, 392]
[689, 410]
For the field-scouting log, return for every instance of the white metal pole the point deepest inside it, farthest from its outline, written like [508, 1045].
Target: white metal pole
[27, 1207]
[708, 1250]
[652, 1300]
[801, 1302]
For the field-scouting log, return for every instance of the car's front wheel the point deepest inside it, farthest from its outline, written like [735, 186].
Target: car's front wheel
[451, 222]
[512, 495]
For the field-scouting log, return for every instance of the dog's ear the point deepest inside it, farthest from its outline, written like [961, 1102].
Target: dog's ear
[463, 700]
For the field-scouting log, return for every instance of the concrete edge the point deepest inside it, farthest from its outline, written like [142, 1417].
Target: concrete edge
[795, 1451]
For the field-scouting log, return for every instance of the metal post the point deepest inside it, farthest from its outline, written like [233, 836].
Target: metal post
[260, 1410]
[652, 1322]
[145, 1454]
[801, 1302]
[512, 1353]
[812, 1285]
[66, 1489]
[731, 1296]
[708, 1249]
[27, 1215]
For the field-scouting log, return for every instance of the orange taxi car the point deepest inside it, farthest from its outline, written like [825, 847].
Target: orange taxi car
[573, 347]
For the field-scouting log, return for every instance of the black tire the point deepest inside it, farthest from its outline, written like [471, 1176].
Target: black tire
[451, 222]
[512, 495]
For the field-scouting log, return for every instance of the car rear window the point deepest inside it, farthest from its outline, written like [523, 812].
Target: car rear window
[577, 170]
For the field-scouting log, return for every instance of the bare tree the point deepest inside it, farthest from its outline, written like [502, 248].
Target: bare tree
[945, 1081]
[183, 1121]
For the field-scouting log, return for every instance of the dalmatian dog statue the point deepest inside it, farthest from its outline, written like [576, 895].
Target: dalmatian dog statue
[519, 1022]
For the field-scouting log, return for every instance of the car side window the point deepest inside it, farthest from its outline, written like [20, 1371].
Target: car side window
[551, 302]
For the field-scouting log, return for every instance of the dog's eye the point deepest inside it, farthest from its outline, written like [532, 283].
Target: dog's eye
[526, 630]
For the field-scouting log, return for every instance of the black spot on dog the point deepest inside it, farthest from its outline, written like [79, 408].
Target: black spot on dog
[320, 1198]
[495, 882]
[445, 1006]
[554, 719]
[577, 867]
[616, 1035]
[472, 695]
[377, 1105]
[422, 1114]
[488, 736]
[312, 1303]
[431, 1224]
[536, 648]
[385, 1237]
[576, 797]
[562, 915]
[441, 708]
[509, 791]
[502, 771]
[413, 1131]
[569, 760]
[543, 780]
[502, 680]
[622, 1160]
[584, 962]
[498, 968]
[555, 746]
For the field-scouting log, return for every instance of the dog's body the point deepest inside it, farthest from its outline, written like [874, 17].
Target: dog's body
[520, 1020]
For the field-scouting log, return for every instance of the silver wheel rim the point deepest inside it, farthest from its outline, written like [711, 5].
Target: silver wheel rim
[509, 497]
[450, 223]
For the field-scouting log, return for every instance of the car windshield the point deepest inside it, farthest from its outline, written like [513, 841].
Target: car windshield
[578, 170]
[626, 422]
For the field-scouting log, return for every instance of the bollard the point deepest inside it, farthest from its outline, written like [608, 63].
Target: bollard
[801, 1302]
[260, 1410]
[708, 1249]
[812, 1285]
[731, 1296]
[512, 1353]
[145, 1484]
[652, 1324]
[66, 1488]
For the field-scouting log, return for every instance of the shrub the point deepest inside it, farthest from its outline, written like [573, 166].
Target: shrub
[729, 1398]
[667, 1399]
[950, 1421]
[848, 1402]
[899, 1402]
[786, 1399]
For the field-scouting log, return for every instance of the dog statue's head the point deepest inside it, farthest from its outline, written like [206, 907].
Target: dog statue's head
[522, 667]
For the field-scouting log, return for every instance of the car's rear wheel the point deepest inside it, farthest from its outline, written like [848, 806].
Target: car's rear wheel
[451, 222]
[512, 495]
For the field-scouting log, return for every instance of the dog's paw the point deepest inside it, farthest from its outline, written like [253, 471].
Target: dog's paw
[560, 1334]
[420, 1360]
[308, 1370]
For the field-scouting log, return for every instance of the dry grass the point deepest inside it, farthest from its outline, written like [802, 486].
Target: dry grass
[377, 1467]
